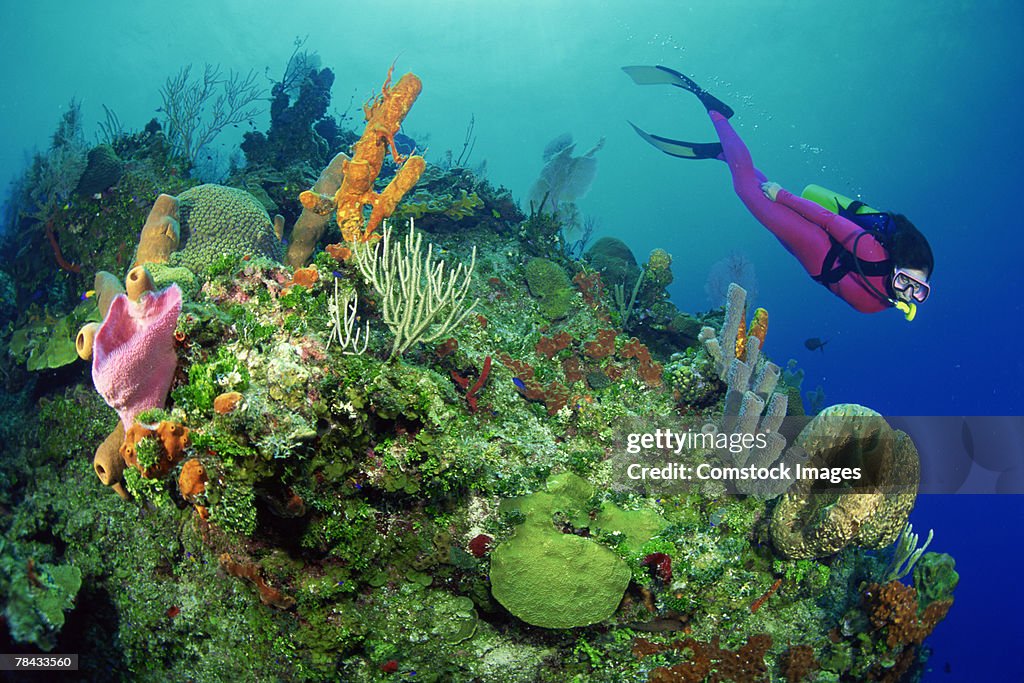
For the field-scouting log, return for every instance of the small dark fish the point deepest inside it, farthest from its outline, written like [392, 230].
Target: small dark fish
[520, 384]
[813, 344]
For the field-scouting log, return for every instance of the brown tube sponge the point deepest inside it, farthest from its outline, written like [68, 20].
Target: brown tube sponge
[107, 286]
[310, 225]
[138, 283]
[161, 234]
[83, 342]
[107, 462]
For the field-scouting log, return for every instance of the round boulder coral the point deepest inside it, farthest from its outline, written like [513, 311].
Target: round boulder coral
[817, 518]
[218, 220]
[557, 580]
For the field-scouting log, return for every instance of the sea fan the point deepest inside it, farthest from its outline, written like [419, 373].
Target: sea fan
[736, 267]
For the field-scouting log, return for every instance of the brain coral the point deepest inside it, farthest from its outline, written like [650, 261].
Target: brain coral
[218, 220]
[814, 519]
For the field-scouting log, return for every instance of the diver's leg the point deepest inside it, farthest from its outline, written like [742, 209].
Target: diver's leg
[801, 238]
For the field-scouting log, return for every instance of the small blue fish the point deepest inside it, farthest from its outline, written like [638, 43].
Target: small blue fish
[520, 384]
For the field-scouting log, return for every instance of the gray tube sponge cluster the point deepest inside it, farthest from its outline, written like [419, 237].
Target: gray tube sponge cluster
[751, 403]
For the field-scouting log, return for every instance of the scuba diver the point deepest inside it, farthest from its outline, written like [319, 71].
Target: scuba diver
[873, 260]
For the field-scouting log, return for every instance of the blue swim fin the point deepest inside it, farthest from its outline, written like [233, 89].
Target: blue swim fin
[662, 75]
[681, 148]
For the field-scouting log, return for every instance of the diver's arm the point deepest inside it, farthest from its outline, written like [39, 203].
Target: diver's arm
[841, 229]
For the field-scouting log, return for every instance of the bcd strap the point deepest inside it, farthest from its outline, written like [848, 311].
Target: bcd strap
[838, 263]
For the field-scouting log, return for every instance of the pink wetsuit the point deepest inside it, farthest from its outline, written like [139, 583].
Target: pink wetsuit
[802, 226]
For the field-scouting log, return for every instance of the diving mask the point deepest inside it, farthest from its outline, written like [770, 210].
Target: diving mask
[902, 281]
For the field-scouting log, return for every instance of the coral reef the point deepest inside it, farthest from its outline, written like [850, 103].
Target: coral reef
[373, 465]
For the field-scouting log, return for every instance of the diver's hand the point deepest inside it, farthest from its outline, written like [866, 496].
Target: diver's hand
[771, 190]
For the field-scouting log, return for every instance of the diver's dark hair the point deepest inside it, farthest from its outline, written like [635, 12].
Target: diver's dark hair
[907, 246]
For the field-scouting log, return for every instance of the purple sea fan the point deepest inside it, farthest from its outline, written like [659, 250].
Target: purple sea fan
[736, 267]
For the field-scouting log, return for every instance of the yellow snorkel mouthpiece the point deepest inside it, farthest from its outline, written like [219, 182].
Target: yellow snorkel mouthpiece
[909, 309]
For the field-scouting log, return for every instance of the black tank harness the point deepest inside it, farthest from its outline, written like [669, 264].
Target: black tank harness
[840, 262]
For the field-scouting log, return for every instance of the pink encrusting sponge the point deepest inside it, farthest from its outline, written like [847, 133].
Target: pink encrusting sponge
[133, 358]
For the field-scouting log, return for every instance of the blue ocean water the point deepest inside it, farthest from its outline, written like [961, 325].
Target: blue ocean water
[914, 108]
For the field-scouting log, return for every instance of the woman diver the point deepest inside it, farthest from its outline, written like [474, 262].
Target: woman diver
[871, 259]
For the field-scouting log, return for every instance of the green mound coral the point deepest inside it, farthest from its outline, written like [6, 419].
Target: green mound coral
[815, 519]
[217, 220]
[615, 261]
[164, 275]
[556, 580]
[551, 285]
[635, 526]
[559, 580]
[102, 170]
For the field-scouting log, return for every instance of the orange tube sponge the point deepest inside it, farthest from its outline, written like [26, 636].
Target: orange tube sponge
[192, 482]
[384, 115]
[386, 202]
[759, 326]
[758, 329]
[173, 440]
